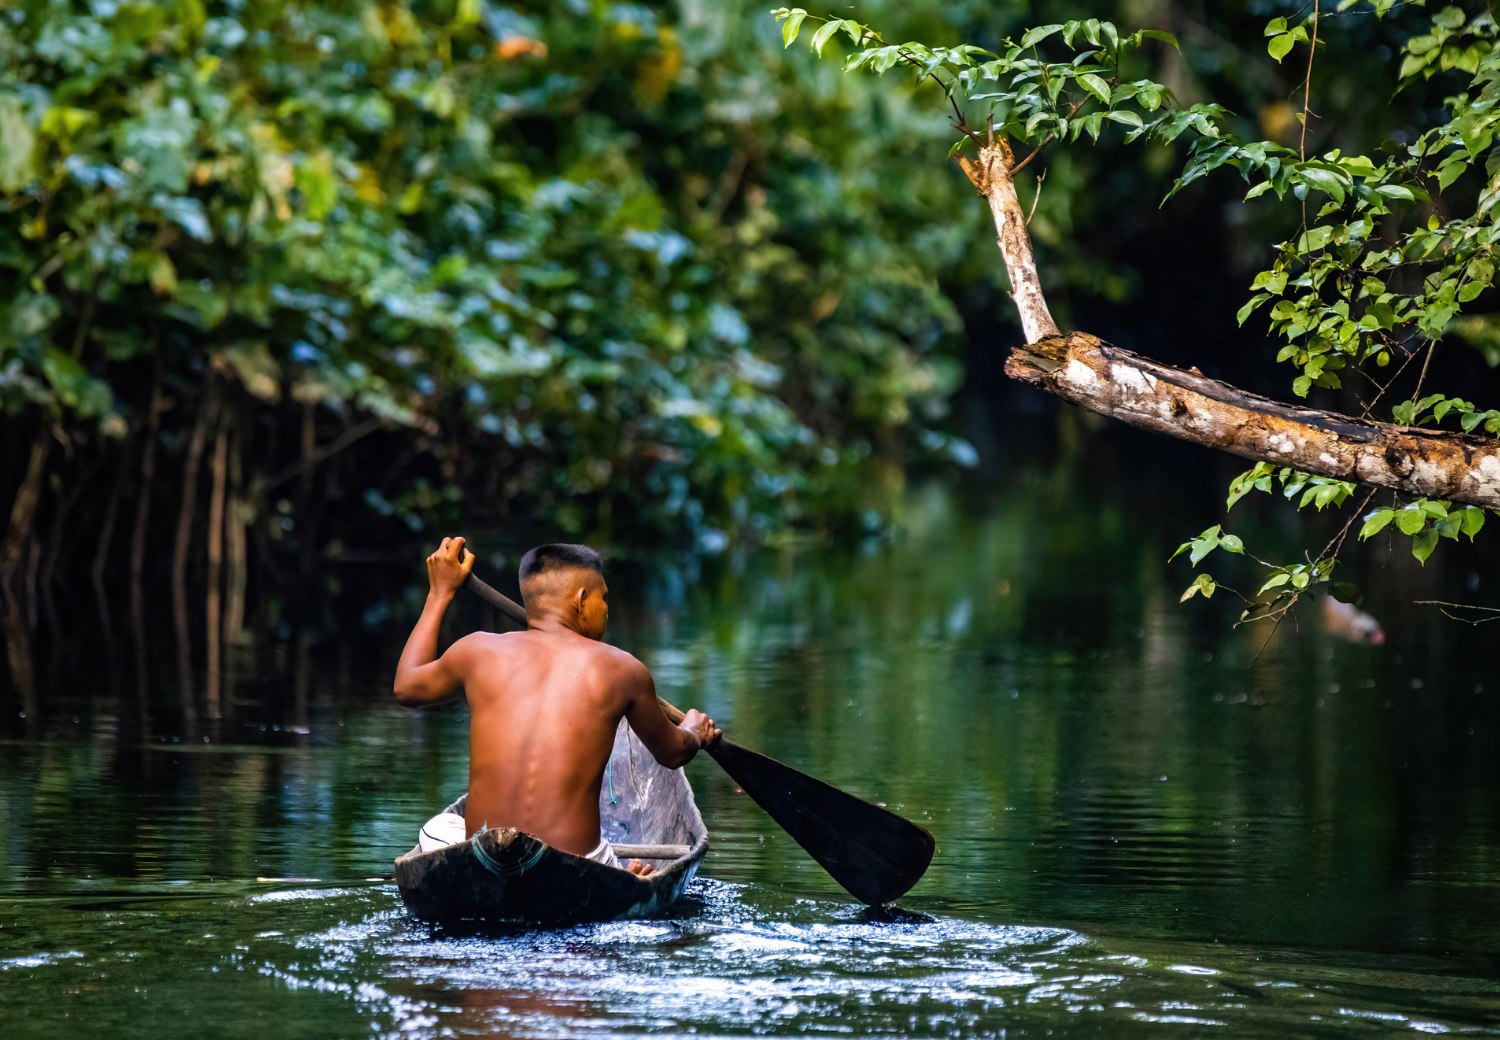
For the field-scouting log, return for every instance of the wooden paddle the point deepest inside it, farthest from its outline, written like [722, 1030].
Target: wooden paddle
[875, 854]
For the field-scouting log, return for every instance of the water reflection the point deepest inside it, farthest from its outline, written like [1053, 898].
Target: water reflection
[1147, 821]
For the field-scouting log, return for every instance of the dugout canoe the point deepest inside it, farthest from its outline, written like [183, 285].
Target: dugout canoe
[507, 876]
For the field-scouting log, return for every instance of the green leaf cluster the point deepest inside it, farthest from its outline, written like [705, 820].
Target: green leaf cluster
[1303, 489]
[1021, 94]
[1283, 38]
[1434, 408]
[585, 262]
[1213, 538]
[1380, 267]
[1424, 521]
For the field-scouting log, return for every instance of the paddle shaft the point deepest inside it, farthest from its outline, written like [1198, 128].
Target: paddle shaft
[873, 853]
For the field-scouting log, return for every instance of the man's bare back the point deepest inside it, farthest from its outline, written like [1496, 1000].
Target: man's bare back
[543, 709]
[545, 703]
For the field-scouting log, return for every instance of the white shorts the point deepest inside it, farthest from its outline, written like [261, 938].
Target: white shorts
[605, 854]
[446, 829]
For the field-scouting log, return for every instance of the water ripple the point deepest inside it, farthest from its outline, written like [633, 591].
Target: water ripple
[737, 961]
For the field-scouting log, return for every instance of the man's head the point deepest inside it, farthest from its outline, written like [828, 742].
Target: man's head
[566, 582]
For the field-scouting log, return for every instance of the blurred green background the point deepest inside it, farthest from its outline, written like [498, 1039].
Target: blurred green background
[287, 281]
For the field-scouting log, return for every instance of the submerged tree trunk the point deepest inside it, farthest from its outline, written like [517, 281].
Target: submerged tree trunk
[23, 510]
[62, 533]
[107, 524]
[187, 509]
[214, 600]
[184, 540]
[17, 635]
[143, 500]
[1093, 374]
[236, 565]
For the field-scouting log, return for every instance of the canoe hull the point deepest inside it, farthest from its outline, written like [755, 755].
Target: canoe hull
[505, 876]
[514, 878]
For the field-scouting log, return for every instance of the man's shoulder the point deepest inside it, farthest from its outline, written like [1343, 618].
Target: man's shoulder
[486, 640]
[621, 661]
[618, 665]
[479, 645]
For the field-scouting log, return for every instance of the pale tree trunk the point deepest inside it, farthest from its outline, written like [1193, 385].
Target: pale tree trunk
[1093, 374]
[213, 613]
[236, 568]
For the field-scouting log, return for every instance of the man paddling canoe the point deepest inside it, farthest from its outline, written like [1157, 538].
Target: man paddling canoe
[544, 704]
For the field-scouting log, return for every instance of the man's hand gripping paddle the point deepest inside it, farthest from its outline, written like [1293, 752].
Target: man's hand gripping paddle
[875, 854]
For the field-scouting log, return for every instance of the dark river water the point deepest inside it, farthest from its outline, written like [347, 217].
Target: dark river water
[1149, 823]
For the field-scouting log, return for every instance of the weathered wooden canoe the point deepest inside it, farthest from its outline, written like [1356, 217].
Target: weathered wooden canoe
[508, 876]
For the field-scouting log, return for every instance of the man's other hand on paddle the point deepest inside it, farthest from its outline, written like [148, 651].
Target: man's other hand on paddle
[700, 726]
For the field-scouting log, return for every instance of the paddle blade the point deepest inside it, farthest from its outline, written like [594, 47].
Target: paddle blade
[875, 854]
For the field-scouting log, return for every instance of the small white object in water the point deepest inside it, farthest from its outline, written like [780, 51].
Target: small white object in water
[1349, 623]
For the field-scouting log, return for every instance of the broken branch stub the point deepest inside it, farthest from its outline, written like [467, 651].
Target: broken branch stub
[991, 174]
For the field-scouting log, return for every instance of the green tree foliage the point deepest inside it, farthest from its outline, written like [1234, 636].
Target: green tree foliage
[583, 262]
[1391, 250]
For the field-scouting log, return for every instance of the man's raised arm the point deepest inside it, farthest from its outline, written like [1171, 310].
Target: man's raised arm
[422, 677]
[672, 746]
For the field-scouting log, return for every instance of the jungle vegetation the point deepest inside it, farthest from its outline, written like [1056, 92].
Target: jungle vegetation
[289, 279]
[286, 281]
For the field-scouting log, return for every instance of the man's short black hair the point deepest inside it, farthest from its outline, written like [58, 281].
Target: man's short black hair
[557, 556]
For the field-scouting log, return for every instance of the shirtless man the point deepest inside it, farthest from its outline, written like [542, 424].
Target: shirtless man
[544, 704]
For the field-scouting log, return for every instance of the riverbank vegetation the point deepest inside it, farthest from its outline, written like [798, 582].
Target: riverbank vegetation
[280, 280]
[291, 282]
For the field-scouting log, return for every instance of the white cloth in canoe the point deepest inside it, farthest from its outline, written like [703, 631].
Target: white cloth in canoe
[448, 828]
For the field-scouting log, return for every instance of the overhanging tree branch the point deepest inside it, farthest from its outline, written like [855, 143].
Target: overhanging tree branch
[1089, 372]
[1418, 462]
